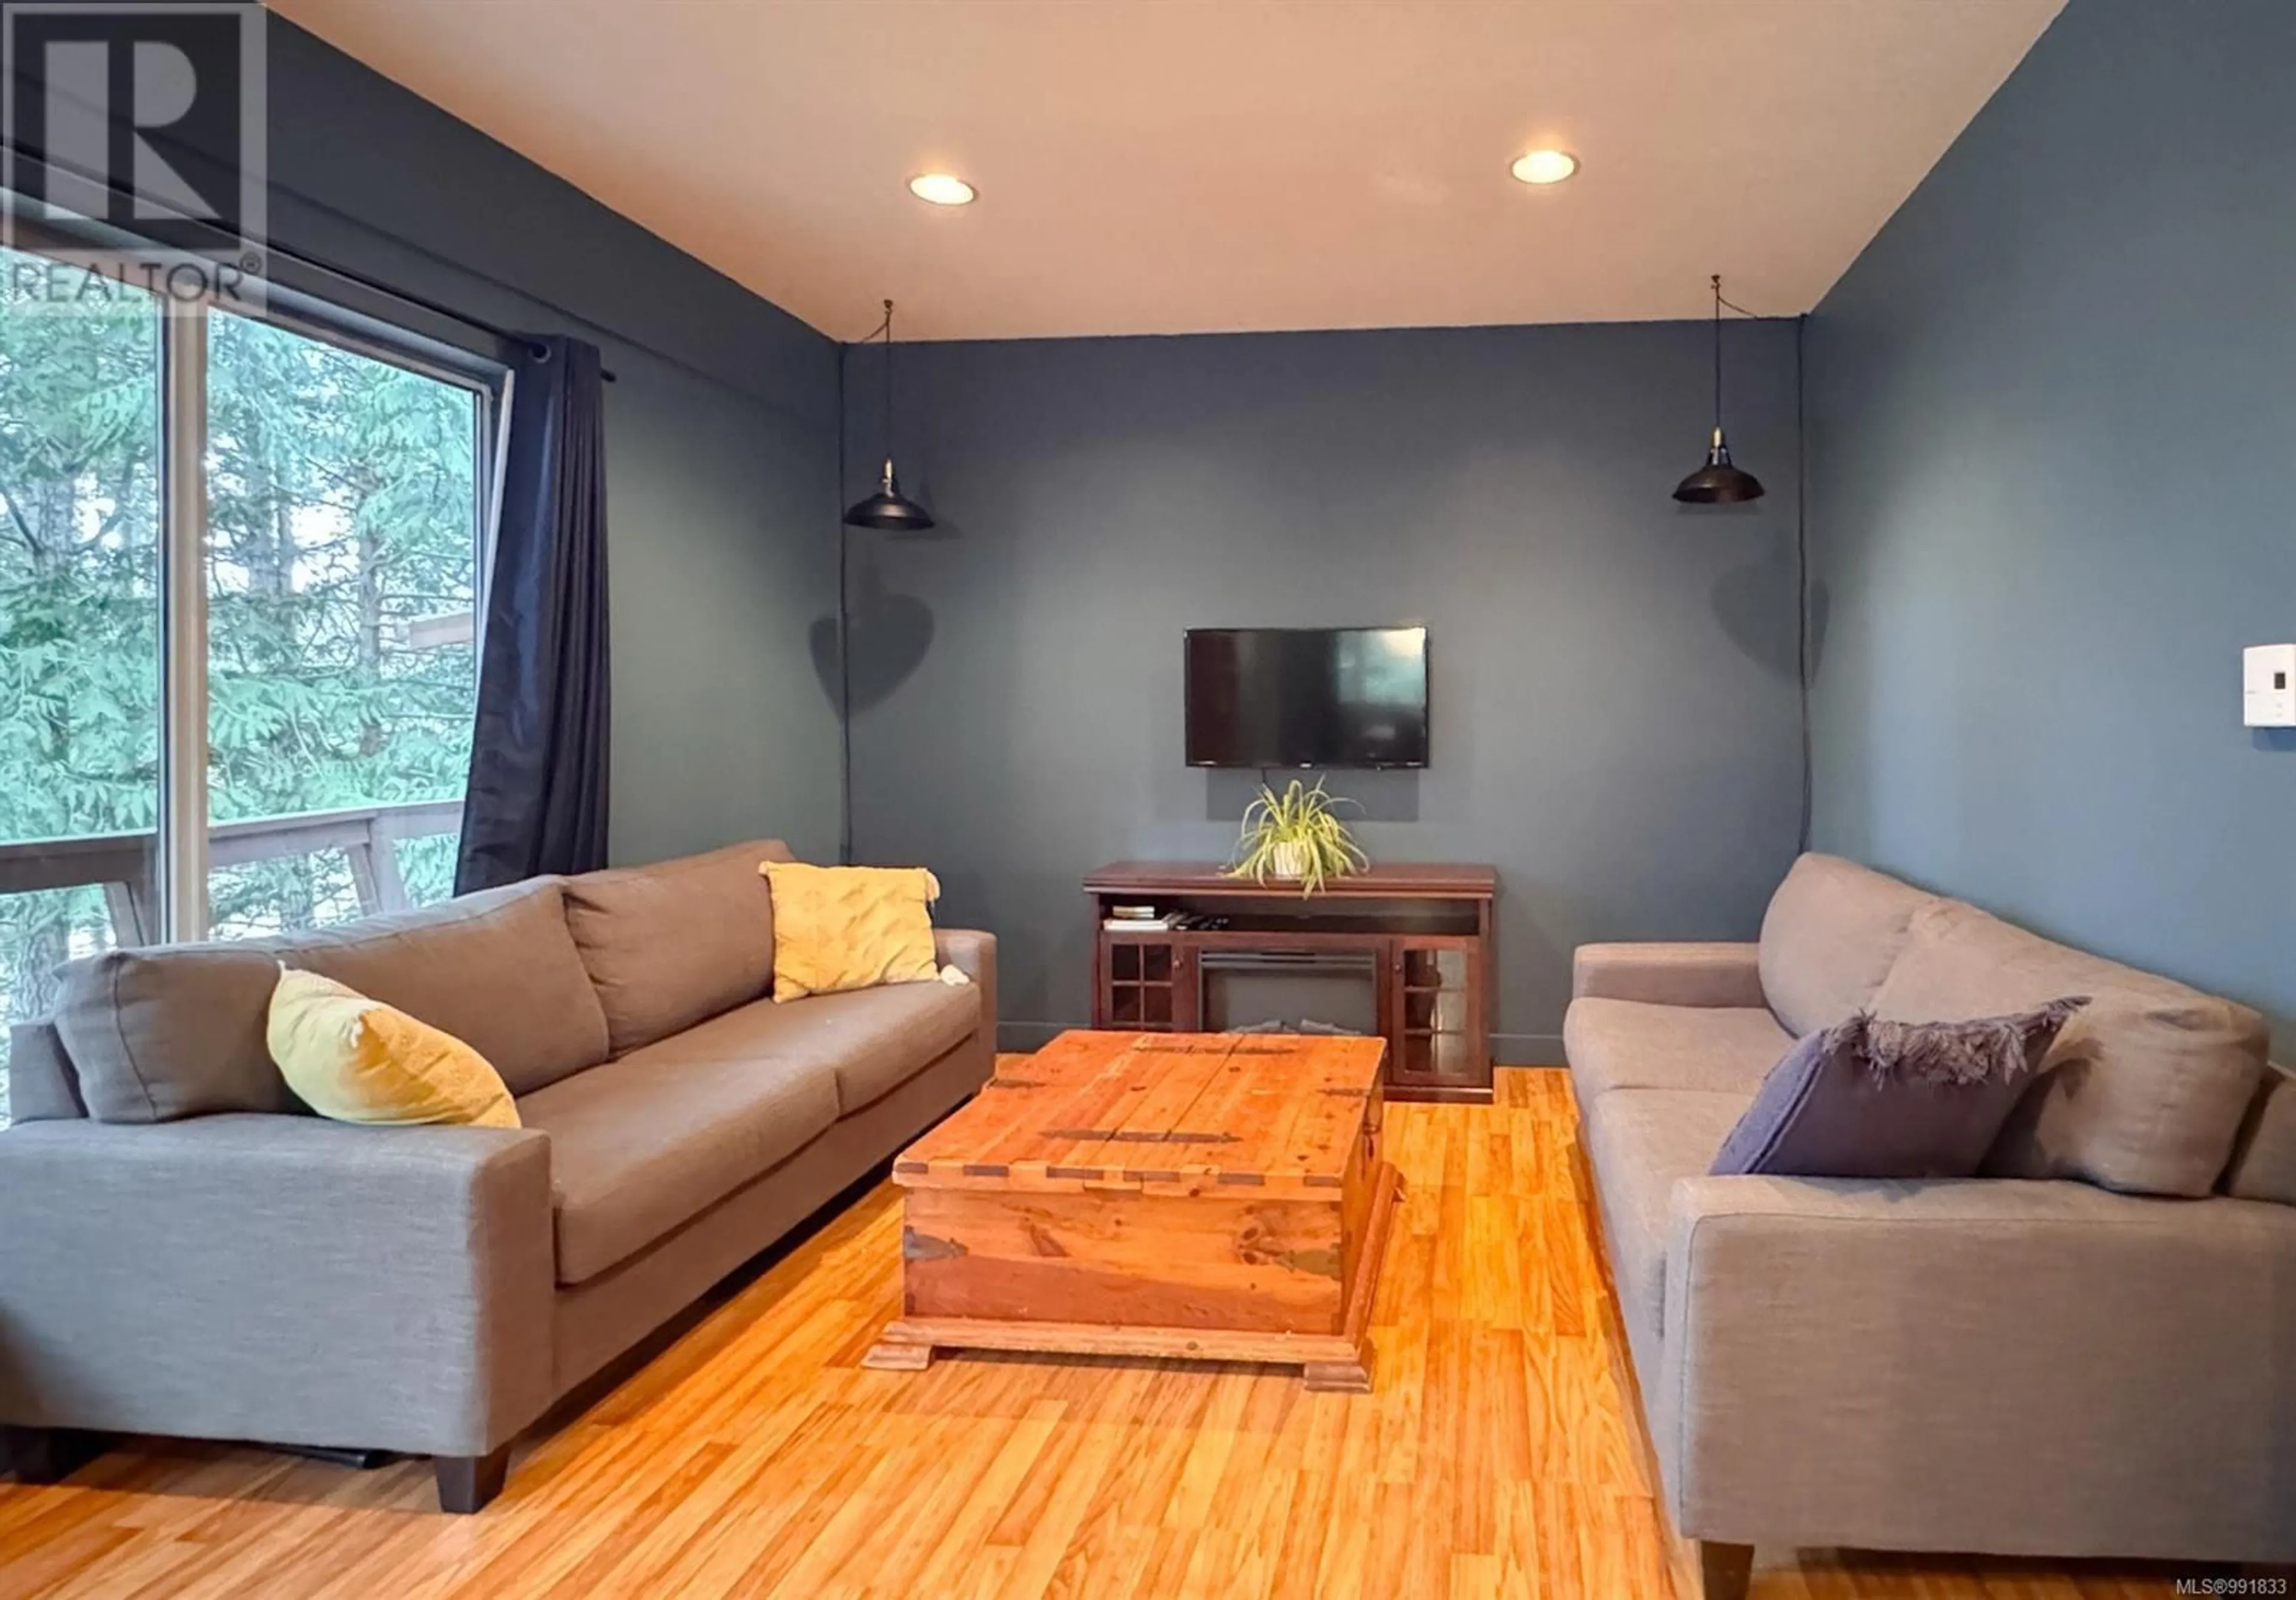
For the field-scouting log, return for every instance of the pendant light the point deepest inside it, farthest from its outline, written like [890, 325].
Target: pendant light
[1717, 482]
[888, 508]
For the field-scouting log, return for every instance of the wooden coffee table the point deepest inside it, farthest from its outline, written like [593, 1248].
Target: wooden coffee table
[1206, 1196]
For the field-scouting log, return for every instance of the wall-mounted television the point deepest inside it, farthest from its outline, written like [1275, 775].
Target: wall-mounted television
[1306, 696]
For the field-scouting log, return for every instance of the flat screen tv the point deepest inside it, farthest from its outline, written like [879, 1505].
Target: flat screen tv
[1306, 696]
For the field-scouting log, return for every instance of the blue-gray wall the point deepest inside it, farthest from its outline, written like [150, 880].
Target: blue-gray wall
[2052, 416]
[1614, 702]
[721, 437]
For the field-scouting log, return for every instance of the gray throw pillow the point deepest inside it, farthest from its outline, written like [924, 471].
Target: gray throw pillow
[1873, 1099]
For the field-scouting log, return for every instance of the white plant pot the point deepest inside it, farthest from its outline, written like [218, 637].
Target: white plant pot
[1289, 860]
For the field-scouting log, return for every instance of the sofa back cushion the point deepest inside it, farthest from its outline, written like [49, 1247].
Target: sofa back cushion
[2264, 1156]
[673, 944]
[1828, 940]
[2146, 1088]
[497, 969]
[155, 1035]
[42, 1086]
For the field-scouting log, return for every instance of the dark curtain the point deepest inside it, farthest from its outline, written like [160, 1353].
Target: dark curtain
[538, 770]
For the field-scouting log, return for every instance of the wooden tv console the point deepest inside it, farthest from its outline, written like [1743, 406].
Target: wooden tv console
[1420, 934]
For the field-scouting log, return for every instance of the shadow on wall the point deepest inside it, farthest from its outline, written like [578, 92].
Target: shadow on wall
[1744, 602]
[889, 636]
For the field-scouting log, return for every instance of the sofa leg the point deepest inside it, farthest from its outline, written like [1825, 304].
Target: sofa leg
[466, 1483]
[48, 1455]
[1724, 1571]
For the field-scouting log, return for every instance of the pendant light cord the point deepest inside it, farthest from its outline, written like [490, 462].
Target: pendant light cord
[1717, 352]
[886, 329]
[1719, 303]
[844, 639]
[1802, 589]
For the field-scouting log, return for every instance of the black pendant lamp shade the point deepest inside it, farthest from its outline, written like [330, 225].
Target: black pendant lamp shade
[888, 508]
[1718, 482]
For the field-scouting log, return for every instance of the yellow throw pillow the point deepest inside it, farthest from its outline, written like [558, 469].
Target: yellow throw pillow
[850, 927]
[357, 1059]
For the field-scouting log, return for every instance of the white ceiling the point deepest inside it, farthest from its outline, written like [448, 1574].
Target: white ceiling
[1183, 166]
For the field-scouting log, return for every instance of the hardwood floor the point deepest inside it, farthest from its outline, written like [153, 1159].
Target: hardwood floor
[757, 1456]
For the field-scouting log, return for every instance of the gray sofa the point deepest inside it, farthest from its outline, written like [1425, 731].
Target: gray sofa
[184, 1249]
[2091, 1353]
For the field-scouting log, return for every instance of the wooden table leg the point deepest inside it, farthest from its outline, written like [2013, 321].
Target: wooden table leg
[1339, 1377]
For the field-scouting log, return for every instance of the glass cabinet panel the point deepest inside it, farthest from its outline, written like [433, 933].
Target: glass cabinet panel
[1436, 1024]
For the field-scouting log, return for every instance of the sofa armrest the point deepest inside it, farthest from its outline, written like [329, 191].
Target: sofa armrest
[2026, 1368]
[280, 1278]
[1669, 974]
[972, 953]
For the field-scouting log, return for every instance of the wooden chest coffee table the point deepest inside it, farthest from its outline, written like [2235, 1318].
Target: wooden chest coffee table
[1206, 1196]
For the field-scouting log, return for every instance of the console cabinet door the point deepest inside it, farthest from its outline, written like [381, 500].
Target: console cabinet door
[1437, 1034]
[1146, 986]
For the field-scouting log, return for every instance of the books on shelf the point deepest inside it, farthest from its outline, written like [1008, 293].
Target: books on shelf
[1136, 919]
[1147, 919]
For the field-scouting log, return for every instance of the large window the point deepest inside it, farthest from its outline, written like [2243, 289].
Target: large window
[283, 742]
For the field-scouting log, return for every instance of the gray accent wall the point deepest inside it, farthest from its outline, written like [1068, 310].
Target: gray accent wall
[2053, 415]
[1614, 699]
[721, 434]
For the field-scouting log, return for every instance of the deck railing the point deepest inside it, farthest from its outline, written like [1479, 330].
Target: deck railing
[122, 863]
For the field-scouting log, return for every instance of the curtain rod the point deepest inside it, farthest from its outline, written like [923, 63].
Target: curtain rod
[420, 302]
[372, 285]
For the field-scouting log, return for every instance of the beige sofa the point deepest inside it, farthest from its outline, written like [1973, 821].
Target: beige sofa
[186, 1251]
[2030, 1363]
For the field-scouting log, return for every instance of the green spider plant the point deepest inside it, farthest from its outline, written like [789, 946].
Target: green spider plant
[1296, 834]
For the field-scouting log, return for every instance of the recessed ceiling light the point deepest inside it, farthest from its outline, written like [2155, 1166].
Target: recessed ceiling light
[941, 189]
[1545, 166]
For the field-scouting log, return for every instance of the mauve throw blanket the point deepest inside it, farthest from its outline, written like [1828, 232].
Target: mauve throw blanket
[1868, 1098]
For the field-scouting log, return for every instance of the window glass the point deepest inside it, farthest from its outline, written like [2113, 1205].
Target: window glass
[79, 632]
[343, 564]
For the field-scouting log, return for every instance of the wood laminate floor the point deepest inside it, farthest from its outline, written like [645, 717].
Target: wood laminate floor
[757, 1456]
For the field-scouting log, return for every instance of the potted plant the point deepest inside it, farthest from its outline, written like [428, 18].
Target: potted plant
[1295, 836]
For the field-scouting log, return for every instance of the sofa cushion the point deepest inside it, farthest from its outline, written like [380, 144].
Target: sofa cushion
[1828, 940]
[41, 1084]
[2143, 1091]
[497, 969]
[1633, 1045]
[2264, 1159]
[155, 1035]
[640, 1146]
[873, 1040]
[1639, 1142]
[839, 928]
[670, 944]
[356, 1060]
